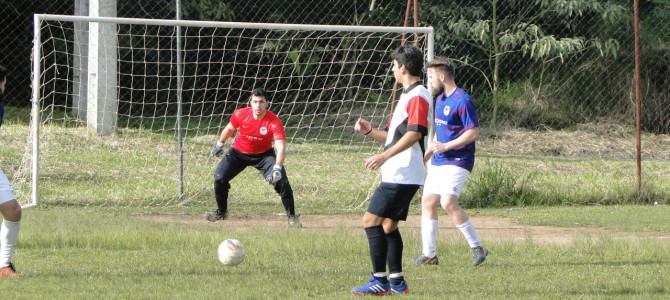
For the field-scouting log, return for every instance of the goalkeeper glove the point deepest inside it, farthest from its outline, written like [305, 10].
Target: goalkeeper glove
[275, 176]
[218, 149]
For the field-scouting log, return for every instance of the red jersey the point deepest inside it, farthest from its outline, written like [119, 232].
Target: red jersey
[255, 136]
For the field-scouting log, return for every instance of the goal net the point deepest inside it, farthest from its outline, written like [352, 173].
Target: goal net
[126, 111]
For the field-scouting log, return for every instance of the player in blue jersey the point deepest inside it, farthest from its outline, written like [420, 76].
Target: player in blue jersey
[9, 207]
[452, 156]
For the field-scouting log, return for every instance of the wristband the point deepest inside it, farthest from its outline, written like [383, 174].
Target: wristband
[368, 132]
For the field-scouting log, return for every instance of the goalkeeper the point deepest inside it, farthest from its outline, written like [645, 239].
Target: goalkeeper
[257, 128]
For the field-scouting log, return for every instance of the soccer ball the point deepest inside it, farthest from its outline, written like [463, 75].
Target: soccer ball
[231, 252]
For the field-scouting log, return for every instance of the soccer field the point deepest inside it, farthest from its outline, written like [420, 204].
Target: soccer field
[84, 253]
[84, 241]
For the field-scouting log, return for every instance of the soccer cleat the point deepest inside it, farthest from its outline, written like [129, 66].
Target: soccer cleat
[378, 286]
[425, 260]
[216, 215]
[479, 254]
[400, 288]
[9, 271]
[294, 221]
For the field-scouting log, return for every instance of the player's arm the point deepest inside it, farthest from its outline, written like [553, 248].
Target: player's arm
[280, 150]
[364, 127]
[226, 133]
[429, 152]
[467, 137]
[417, 128]
[406, 141]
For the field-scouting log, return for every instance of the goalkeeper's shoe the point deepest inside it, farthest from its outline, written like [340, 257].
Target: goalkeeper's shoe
[399, 288]
[9, 271]
[216, 215]
[479, 254]
[425, 260]
[378, 286]
[294, 221]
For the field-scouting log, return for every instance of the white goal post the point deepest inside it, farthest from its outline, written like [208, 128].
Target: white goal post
[140, 134]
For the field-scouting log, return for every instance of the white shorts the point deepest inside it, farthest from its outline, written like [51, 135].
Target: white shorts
[445, 180]
[6, 191]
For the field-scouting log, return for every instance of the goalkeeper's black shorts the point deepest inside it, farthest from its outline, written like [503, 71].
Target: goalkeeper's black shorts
[391, 200]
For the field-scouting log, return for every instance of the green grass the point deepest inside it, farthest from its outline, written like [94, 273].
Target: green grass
[615, 217]
[89, 237]
[84, 253]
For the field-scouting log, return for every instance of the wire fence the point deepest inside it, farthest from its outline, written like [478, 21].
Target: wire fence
[551, 79]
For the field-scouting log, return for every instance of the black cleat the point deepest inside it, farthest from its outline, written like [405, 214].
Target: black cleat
[216, 215]
[479, 255]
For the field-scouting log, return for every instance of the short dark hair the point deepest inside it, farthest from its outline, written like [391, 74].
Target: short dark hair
[3, 73]
[410, 57]
[444, 65]
[259, 92]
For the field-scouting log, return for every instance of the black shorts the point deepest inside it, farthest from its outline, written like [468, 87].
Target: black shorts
[391, 200]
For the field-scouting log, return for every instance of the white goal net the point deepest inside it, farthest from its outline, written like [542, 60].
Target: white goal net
[126, 111]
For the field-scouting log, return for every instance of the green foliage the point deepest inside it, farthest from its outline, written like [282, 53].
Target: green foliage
[497, 186]
[207, 10]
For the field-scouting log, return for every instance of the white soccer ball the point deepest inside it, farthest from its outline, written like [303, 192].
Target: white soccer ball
[231, 252]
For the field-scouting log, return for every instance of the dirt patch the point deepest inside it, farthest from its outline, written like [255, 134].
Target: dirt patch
[490, 229]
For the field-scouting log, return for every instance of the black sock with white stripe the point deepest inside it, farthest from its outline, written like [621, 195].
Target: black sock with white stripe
[395, 247]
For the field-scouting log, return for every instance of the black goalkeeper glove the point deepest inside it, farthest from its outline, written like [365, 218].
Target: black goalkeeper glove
[218, 149]
[275, 176]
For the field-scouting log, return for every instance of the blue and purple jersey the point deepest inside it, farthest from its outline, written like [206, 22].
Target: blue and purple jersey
[454, 115]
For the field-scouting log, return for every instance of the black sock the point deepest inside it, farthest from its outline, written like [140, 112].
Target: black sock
[378, 248]
[395, 247]
[396, 280]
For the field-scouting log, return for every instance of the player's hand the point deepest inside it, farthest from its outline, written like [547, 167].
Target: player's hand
[375, 161]
[362, 126]
[437, 147]
[275, 176]
[218, 149]
[427, 156]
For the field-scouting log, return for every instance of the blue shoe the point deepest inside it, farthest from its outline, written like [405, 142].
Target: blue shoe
[400, 288]
[378, 286]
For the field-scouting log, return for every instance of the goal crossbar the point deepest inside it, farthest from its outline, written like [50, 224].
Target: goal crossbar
[242, 25]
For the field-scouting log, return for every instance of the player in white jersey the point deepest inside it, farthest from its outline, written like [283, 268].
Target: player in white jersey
[402, 170]
[9, 207]
[452, 156]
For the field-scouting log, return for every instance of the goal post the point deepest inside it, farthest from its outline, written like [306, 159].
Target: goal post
[167, 102]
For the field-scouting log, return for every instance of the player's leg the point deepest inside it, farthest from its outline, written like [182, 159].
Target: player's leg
[429, 225]
[398, 209]
[282, 187]
[430, 202]
[378, 247]
[9, 231]
[464, 225]
[230, 166]
[377, 243]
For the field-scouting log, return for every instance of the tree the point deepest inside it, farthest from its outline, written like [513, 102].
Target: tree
[487, 34]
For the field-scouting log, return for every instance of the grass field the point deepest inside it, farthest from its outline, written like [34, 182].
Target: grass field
[109, 226]
[105, 253]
